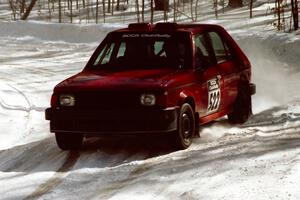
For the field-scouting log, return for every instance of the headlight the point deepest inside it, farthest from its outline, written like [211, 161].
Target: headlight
[67, 100]
[147, 99]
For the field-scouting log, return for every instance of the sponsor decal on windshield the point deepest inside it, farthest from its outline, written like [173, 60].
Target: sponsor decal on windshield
[146, 35]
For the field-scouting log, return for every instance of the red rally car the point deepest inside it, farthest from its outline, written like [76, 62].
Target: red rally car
[166, 78]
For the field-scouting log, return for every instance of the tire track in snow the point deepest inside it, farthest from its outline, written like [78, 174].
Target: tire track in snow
[134, 176]
[16, 107]
[231, 150]
[27, 108]
[57, 178]
[113, 188]
[286, 136]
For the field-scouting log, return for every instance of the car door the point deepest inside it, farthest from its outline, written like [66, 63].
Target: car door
[226, 68]
[209, 77]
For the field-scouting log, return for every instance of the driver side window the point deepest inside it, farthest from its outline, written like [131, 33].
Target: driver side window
[202, 57]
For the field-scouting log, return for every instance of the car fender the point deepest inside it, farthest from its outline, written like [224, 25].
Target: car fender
[186, 97]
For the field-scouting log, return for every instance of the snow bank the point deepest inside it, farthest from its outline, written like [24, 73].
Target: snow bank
[57, 32]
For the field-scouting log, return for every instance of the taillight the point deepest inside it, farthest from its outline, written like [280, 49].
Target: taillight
[246, 64]
[54, 100]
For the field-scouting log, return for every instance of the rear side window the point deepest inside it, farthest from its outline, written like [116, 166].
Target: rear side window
[220, 48]
[158, 47]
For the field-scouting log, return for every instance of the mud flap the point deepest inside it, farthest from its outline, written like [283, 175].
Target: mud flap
[252, 88]
[197, 125]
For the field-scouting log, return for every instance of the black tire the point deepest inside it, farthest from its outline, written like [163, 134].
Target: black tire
[242, 108]
[186, 127]
[68, 141]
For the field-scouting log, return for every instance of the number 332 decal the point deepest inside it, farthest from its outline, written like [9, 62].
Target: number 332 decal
[214, 94]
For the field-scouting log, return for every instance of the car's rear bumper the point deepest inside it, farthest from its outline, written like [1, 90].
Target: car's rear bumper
[108, 122]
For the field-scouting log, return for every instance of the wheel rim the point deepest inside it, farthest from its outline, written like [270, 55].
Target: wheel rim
[186, 128]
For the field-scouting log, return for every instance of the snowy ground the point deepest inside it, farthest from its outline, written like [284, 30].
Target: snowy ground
[258, 160]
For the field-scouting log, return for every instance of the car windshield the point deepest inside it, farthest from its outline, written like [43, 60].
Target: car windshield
[123, 51]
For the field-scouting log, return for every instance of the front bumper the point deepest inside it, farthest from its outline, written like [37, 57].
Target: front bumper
[108, 122]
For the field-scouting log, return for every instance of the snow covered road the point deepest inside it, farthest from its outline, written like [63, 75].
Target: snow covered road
[258, 160]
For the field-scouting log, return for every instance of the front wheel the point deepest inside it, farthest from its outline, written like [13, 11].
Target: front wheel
[186, 127]
[68, 141]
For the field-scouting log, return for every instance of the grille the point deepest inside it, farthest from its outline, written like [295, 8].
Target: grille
[104, 99]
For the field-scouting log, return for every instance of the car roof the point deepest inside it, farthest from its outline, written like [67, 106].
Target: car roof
[172, 27]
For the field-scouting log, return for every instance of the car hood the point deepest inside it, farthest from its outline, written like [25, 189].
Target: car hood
[131, 79]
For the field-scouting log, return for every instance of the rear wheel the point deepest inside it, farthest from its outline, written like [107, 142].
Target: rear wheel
[186, 127]
[242, 108]
[68, 141]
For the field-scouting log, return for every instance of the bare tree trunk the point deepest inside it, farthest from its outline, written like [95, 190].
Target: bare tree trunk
[294, 4]
[49, 9]
[53, 6]
[216, 8]
[296, 22]
[137, 10]
[165, 10]
[196, 10]
[192, 15]
[87, 11]
[283, 18]
[22, 10]
[251, 8]
[143, 11]
[71, 11]
[13, 9]
[152, 11]
[108, 6]
[293, 9]
[235, 3]
[97, 8]
[277, 5]
[103, 5]
[64, 8]
[28, 10]
[223, 6]
[39, 5]
[118, 4]
[59, 11]
[174, 9]
[112, 7]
